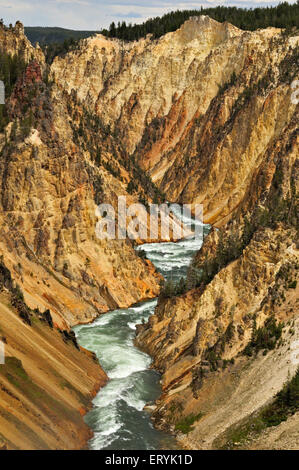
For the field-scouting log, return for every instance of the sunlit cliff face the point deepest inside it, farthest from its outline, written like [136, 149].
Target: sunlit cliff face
[198, 107]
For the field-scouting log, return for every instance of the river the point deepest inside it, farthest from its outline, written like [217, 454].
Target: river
[117, 417]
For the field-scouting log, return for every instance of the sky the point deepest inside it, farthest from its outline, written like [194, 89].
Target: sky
[97, 14]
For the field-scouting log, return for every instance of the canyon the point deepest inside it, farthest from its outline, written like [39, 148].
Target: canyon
[202, 115]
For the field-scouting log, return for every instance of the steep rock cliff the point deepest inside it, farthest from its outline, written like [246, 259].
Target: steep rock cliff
[57, 164]
[225, 347]
[13, 41]
[198, 108]
[47, 382]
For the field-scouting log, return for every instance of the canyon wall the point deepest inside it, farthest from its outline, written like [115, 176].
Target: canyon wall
[47, 382]
[197, 108]
[56, 165]
[215, 345]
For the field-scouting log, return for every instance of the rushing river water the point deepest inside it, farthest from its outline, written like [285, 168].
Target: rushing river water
[117, 417]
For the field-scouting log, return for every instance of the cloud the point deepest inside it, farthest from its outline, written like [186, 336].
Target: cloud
[74, 2]
[131, 14]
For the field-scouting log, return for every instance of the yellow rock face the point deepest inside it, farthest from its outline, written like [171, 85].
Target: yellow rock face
[220, 318]
[198, 339]
[129, 85]
[13, 41]
[48, 215]
[46, 385]
[50, 188]
[175, 103]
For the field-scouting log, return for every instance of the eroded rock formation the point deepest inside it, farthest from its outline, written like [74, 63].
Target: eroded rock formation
[207, 112]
